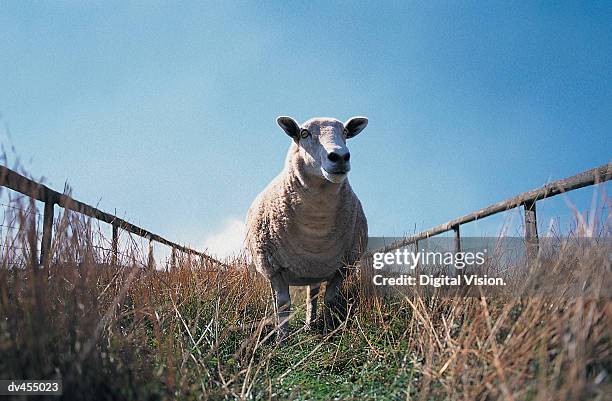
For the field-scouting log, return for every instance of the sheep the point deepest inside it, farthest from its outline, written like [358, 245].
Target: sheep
[308, 225]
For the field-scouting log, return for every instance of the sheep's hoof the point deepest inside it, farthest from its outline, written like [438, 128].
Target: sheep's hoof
[313, 327]
[332, 321]
[328, 329]
[329, 325]
[281, 336]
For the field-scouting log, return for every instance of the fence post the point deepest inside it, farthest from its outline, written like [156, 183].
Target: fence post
[531, 229]
[457, 238]
[457, 246]
[32, 234]
[45, 245]
[115, 244]
[151, 260]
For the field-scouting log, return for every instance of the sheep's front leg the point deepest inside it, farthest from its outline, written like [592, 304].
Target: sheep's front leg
[335, 303]
[312, 297]
[282, 299]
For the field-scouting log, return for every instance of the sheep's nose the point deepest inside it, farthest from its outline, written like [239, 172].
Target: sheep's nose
[335, 157]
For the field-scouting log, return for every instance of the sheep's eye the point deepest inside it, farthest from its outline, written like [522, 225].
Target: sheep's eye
[305, 133]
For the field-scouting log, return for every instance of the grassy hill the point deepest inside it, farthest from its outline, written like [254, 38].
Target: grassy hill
[197, 332]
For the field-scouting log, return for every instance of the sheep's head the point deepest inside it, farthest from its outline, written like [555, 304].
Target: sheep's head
[322, 146]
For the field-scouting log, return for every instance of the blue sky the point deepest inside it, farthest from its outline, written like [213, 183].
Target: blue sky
[166, 112]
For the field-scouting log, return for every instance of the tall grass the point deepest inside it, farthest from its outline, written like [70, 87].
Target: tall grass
[203, 332]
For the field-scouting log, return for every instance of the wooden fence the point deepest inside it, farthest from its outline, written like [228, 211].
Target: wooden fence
[526, 199]
[17, 182]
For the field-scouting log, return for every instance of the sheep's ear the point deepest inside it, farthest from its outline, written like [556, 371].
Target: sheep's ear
[355, 125]
[289, 125]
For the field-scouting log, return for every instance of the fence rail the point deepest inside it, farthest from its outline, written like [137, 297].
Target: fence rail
[17, 182]
[526, 199]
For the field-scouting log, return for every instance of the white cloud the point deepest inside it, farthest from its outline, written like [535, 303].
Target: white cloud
[227, 241]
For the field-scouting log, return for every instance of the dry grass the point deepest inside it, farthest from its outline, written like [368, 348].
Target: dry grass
[123, 332]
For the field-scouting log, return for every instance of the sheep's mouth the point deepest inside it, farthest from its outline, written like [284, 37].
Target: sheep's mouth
[336, 172]
[335, 176]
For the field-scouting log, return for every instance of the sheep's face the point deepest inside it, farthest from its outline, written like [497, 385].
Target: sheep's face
[322, 144]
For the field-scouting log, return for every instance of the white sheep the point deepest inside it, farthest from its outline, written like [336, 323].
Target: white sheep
[307, 225]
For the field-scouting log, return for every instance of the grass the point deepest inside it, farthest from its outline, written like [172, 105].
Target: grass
[200, 333]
